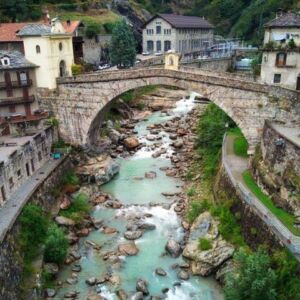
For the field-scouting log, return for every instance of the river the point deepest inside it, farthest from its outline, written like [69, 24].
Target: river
[142, 198]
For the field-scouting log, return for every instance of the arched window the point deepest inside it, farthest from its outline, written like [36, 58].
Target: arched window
[62, 68]
[60, 46]
[37, 49]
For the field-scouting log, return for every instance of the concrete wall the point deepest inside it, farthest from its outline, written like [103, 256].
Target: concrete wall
[11, 259]
[277, 167]
[212, 64]
[49, 57]
[27, 158]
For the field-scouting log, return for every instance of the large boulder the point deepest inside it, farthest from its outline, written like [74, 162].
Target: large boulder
[133, 235]
[128, 249]
[173, 248]
[206, 262]
[100, 169]
[142, 286]
[131, 142]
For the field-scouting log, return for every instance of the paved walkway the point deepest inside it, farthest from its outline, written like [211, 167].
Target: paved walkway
[10, 211]
[235, 166]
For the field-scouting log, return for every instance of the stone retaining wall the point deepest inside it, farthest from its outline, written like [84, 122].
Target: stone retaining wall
[11, 259]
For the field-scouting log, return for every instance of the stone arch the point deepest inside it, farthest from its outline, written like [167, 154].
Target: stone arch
[215, 96]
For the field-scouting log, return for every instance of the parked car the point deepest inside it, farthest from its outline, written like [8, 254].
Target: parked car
[158, 54]
[145, 53]
[104, 66]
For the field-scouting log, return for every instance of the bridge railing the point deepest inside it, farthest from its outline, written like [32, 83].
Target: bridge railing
[283, 234]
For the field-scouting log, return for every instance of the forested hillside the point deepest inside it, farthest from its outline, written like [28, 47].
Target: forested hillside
[237, 18]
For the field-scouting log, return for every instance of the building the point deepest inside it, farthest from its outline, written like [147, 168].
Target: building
[281, 56]
[184, 34]
[50, 47]
[75, 28]
[18, 107]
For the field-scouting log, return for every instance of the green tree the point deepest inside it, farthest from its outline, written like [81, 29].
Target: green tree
[252, 279]
[92, 30]
[56, 245]
[33, 231]
[122, 47]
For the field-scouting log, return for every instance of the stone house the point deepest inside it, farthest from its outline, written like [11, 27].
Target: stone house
[18, 106]
[50, 47]
[184, 34]
[281, 56]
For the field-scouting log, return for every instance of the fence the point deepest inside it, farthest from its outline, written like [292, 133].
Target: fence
[284, 235]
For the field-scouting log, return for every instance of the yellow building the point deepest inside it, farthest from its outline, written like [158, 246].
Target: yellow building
[50, 47]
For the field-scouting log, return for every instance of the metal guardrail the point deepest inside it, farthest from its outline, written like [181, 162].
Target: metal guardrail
[284, 235]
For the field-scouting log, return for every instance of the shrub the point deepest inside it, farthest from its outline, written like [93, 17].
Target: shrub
[240, 146]
[77, 69]
[191, 192]
[92, 30]
[70, 178]
[204, 244]
[78, 209]
[196, 208]
[252, 278]
[292, 44]
[56, 245]
[33, 231]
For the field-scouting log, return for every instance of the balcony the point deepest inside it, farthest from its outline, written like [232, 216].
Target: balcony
[37, 116]
[16, 100]
[16, 84]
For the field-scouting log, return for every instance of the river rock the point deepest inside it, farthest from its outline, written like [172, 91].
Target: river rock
[183, 275]
[131, 142]
[115, 279]
[50, 293]
[173, 248]
[71, 295]
[122, 295]
[133, 235]
[178, 144]
[147, 226]
[94, 296]
[65, 203]
[137, 296]
[91, 281]
[63, 221]
[142, 286]
[150, 175]
[114, 135]
[76, 268]
[51, 268]
[160, 272]
[128, 249]
[109, 230]
[100, 169]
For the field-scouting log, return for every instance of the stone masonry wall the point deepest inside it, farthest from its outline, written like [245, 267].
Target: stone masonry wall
[254, 230]
[249, 104]
[212, 64]
[11, 259]
[277, 169]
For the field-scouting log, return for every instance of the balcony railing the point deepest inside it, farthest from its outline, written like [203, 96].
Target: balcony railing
[16, 84]
[35, 117]
[16, 100]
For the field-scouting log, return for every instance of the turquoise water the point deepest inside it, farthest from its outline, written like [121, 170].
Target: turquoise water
[137, 193]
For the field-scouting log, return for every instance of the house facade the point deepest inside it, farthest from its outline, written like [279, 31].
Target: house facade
[184, 34]
[51, 48]
[281, 51]
[18, 106]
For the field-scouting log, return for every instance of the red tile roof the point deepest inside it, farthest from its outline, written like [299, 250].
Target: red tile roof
[8, 31]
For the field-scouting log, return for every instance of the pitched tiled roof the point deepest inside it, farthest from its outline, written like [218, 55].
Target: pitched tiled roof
[289, 19]
[17, 60]
[35, 30]
[179, 21]
[71, 26]
[8, 31]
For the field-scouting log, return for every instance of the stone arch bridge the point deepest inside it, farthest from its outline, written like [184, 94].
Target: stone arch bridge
[79, 100]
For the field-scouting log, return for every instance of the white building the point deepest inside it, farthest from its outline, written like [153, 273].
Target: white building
[50, 47]
[184, 34]
[281, 56]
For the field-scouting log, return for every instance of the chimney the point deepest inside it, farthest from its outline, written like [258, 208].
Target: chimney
[279, 13]
[46, 16]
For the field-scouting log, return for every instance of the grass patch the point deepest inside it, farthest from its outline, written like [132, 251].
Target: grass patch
[204, 244]
[229, 227]
[286, 218]
[240, 146]
[196, 208]
[78, 209]
[191, 192]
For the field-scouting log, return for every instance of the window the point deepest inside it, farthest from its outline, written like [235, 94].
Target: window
[277, 78]
[150, 46]
[167, 31]
[11, 183]
[37, 49]
[280, 59]
[23, 78]
[3, 195]
[158, 29]
[167, 45]
[5, 61]
[150, 31]
[19, 174]
[60, 46]
[158, 46]
[40, 155]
